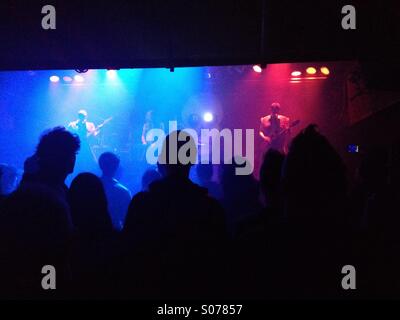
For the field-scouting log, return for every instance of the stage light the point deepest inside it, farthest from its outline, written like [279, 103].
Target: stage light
[112, 74]
[311, 70]
[296, 73]
[208, 117]
[325, 71]
[67, 79]
[79, 78]
[257, 68]
[54, 78]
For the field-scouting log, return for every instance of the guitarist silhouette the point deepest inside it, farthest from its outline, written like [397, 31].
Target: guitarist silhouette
[275, 129]
[86, 130]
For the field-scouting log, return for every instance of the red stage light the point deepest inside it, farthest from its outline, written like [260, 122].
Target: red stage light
[67, 79]
[257, 68]
[296, 73]
[311, 70]
[325, 71]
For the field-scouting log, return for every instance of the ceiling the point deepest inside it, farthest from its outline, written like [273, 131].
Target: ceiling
[175, 33]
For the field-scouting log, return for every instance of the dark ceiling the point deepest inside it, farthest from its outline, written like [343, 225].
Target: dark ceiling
[173, 33]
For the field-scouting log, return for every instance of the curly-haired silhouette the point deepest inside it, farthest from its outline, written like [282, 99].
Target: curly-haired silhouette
[53, 160]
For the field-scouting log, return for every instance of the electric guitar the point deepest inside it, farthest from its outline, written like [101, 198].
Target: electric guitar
[276, 135]
[96, 131]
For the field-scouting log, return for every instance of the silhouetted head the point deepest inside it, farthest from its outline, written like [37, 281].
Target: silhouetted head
[109, 164]
[56, 153]
[88, 203]
[82, 115]
[204, 172]
[179, 153]
[314, 175]
[275, 107]
[240, 192]
[149, 177]
[270, 175]
[233, 184]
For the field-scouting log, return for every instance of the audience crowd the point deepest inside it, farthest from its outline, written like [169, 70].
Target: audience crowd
[286, 236]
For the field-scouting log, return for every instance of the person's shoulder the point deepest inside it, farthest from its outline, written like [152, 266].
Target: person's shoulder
[138, 211]
[140, 198]
[212, 203]
[90, 124]
[266, 118]
[138, 204]
[284, 120]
